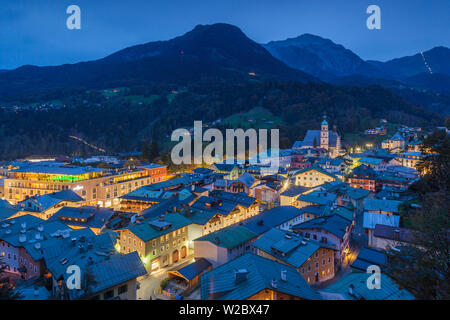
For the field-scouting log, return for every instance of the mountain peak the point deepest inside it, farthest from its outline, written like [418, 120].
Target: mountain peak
[319, 56]
[218, 51]
[217, 27]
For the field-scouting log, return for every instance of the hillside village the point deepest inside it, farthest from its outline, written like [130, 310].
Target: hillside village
[309, 230]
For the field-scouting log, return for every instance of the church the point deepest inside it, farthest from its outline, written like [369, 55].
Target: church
[323, 138]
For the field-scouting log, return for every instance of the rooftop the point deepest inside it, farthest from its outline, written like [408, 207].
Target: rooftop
[393, 233]
[293, 191]
[86, 216]
[371, 219]
[229, 237]
[334, 224]
[382, 205]
[193, 269]
[271, 218]
[369, 256]
[256, 274]
[148, 230]
[357, 281]
[289, 247]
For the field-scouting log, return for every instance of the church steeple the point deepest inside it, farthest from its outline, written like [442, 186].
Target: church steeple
[324, 136]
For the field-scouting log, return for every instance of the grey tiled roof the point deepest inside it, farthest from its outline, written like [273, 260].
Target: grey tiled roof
[220, 283]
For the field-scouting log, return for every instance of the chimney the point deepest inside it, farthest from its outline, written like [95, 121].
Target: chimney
[274, 283]
[283, 275]
[350, 290]
[240, 275]
[397, 234]
[22, 238]
[216, 240]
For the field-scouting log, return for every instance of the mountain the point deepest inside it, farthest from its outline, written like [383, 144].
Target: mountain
[437, 59]
[320, 57]
[208, 51]
[334, 63]
[438, 82]
[128, 120]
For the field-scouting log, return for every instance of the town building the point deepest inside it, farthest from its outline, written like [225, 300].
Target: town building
[363, 177]
[160, 242]
[396, 143]
[313, 177]
[347, 195]
[332, 230]
[290, 195]
[312, 259]
[367, 257]
[382, 206]
[22, 241]
[332, 165]
[410, 159]
[231, 171]
[251, 277]
[224, 245]
[226, 209]
[372, 219]
[314, 198]
[377, 164]
[385, 236]
[354, 287]
[44, 206]
[106, 274]
[323, 138]
[96, 186]
[94, 218]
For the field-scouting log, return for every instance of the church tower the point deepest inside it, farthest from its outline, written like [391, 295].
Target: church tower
[324, 134]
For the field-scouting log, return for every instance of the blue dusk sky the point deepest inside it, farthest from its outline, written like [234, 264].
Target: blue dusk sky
[34, 31]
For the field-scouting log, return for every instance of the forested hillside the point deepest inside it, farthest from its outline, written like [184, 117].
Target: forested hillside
[124, 121]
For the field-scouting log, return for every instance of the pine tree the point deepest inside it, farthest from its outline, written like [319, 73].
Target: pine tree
[423, 266]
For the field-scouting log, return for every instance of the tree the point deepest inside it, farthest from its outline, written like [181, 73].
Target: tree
[154, 150]
[89, 284]
[435, 166]
[423, 266]
[315, 142]
[150, 151]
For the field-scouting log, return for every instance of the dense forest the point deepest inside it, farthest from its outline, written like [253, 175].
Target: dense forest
[133, 117]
